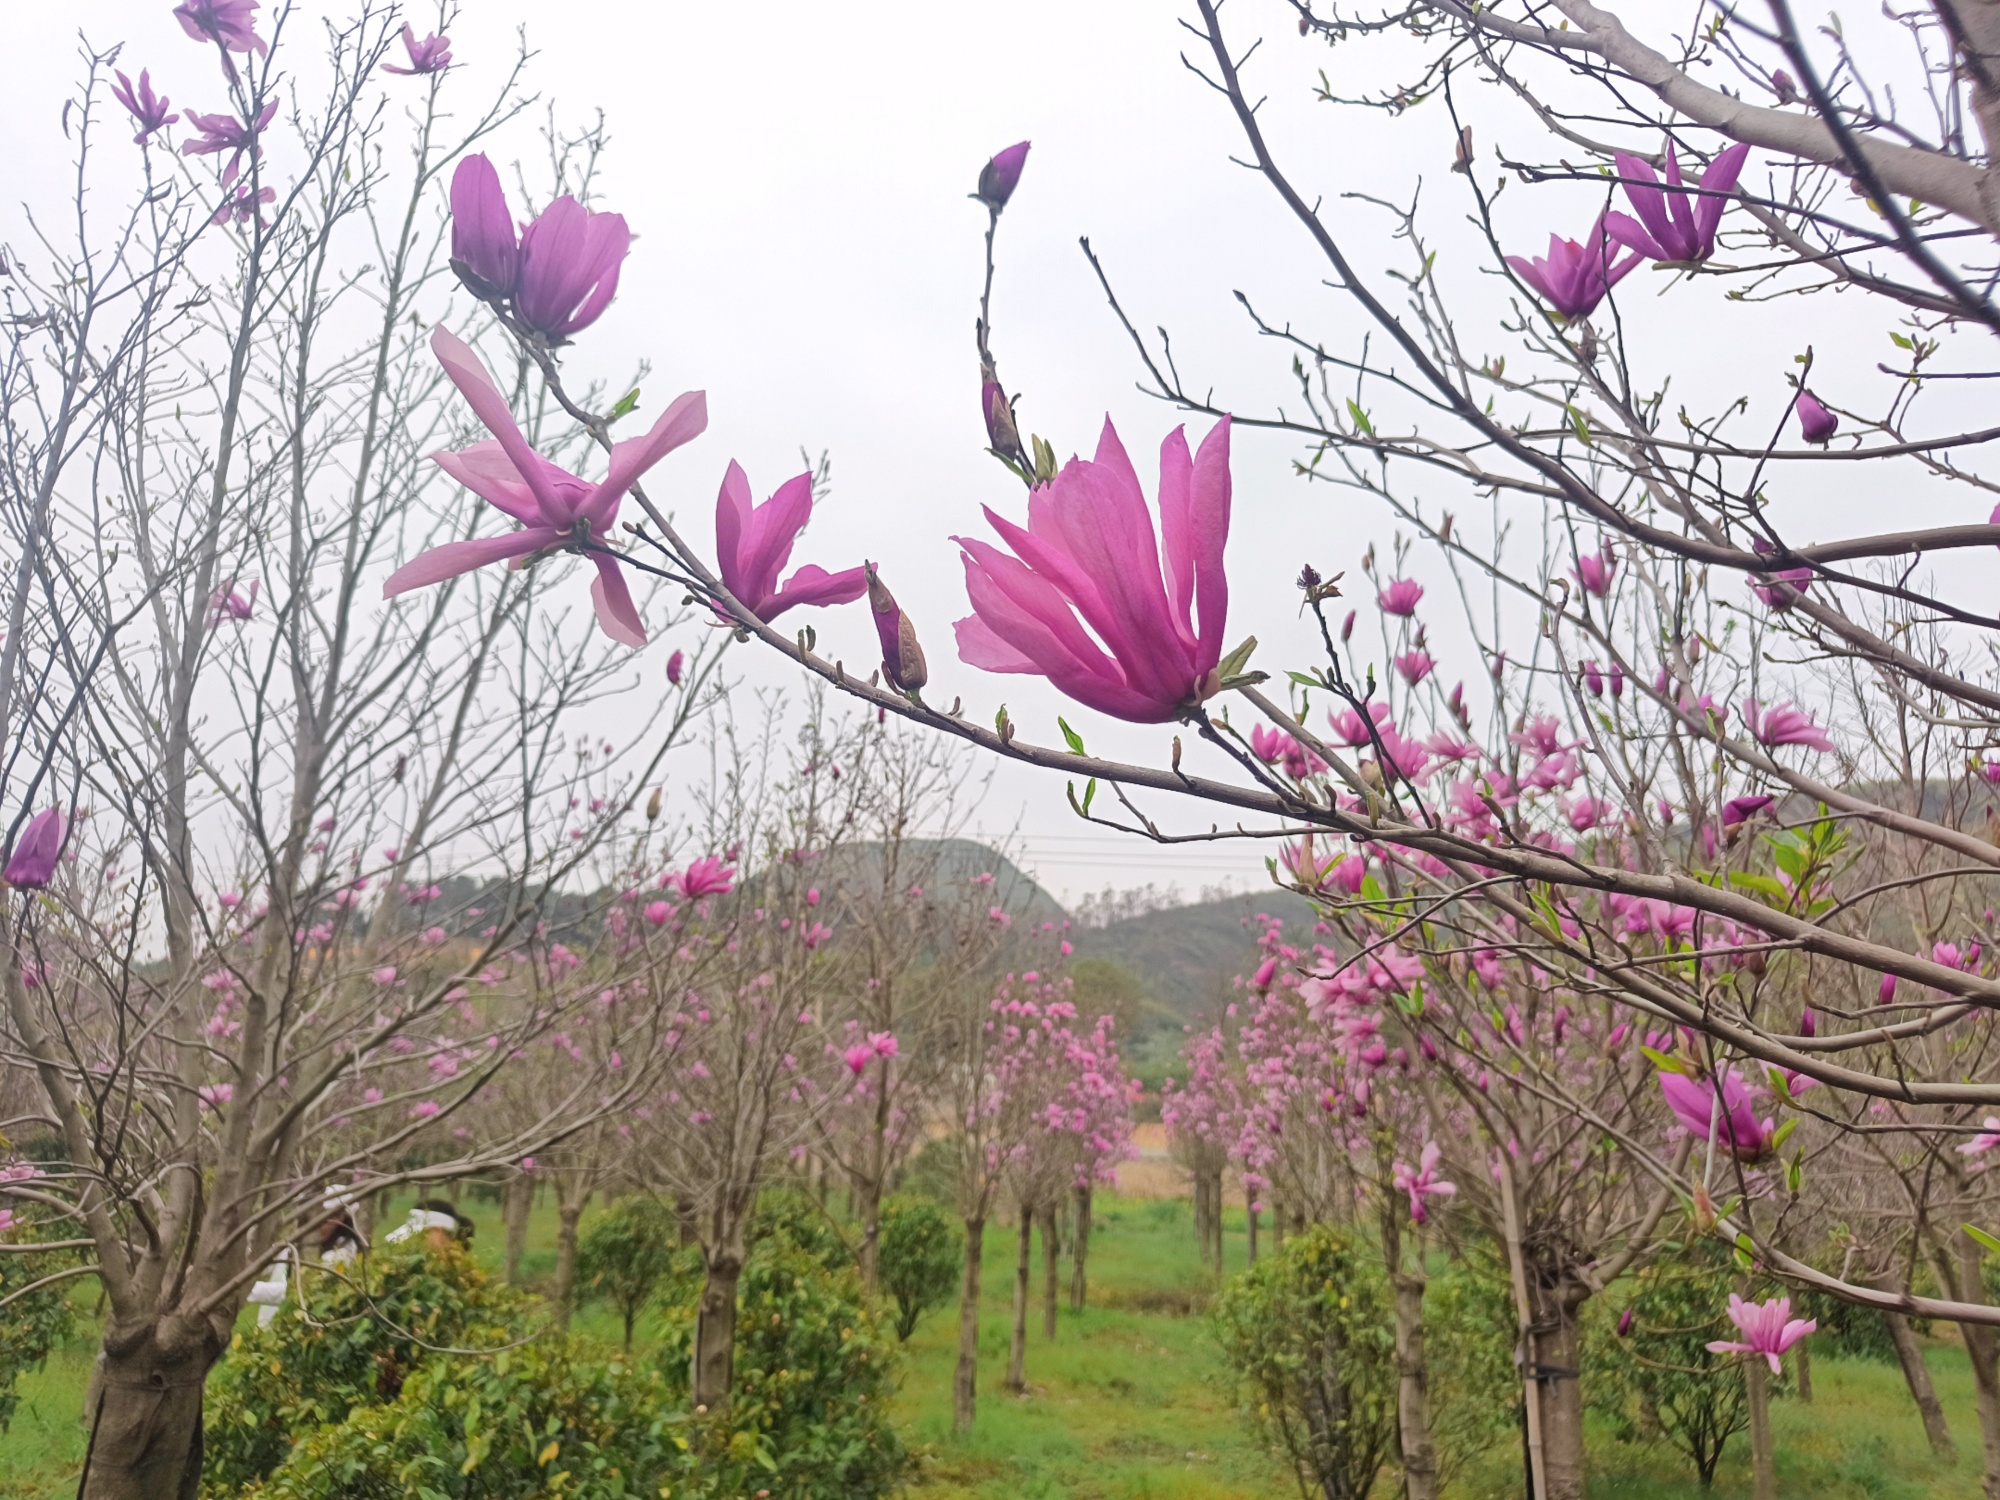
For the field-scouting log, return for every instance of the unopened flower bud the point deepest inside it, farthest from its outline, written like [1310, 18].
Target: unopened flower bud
[1347, 626]
[902, 657]
[1000, 176]
[1002, 436]
[653, 806]
[1816, 423]
[1887, 991]
[676, 665]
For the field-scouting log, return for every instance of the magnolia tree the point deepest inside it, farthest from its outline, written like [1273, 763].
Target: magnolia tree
[238, 784]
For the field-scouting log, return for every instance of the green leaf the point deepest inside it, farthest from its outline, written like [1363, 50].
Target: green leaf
[1668, 1064]
[1070, 736]
[1089, 791]
[1579, 426]
[627, 404]
[1360, 417]
[1305, 679]
[1974, 1232]
[1763, 885]
[1784, 1132]
[1233, 664]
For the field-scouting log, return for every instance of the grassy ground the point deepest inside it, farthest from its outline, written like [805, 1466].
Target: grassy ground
[1130, 1401]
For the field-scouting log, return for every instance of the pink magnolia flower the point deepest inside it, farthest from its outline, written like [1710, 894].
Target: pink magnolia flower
[558, 511]
[1735, 1126]
[1783, 724]
[32, 865]
[215, 1095]
[1353, 730]
[148, 109]
[1422, 1183]
[1985, 1141]
[484, 253]
[1594, 570]
[245, 206]
[1414, 666]
[1001, 175]
[858, 1057]
[425, 1110]
[814, 935]
[1574, 277]
[1401, 597]
[227, 23]
[1816, 423]
[1273, 746]
[754, 542]
[1768, 1328]
[1742, 809]
[707, 876]
[1089, 550]
[658, 912]
[1674, 229]
[1780, 590]
[431, 55]
[884, 1043]
[231, 603]
[570, 257]
[221, 133]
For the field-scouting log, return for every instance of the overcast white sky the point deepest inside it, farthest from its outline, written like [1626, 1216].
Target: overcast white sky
[797, 175]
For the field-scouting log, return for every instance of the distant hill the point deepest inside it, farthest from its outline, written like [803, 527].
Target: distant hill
[1185, 956]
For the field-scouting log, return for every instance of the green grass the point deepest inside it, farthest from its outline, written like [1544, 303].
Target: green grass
[1130, 1401]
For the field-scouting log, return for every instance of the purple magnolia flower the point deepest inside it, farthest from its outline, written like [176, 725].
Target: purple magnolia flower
[1594, 570]
[1736, 1126]
[1742, 809]
[224, 22]
[221, 133]
[245, 206]
[1816, 423]
[231, 603]
[754, 542]
[1980, 1144]
[1574, 277]
[1089, 550]
[1783, 588]
[1768, 1328]
[1593, 680]
[902, 656]
[1783, 724]
[569, 268]
[32, 865]
[557, 510]
[1401, 597]
[1000, 176]
[676, 667]
[431, 55]
[1422, 1183]
[146, 107]
[1673, 229]
[483, 249]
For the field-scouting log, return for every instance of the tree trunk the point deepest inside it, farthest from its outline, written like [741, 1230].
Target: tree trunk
[1017, 1353]
[1804, 1356]
[1277, 1221]
[1250, 1218]
[869, 1203]
[1982, 1351]
[965, 1379]
[518, 1199]
[567, 1215]
[1917, 1375]
[1413, 1384]
[1757, 1396]
[1201, 1217]
[145, 1400]
[715, 1330]
[1051, 1269]
[689, 1228]
[1555, 1348]
[1080, 1251]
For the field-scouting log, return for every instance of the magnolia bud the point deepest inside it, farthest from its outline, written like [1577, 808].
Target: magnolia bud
[653, 806]
[676, 666]
[1000, 176]
[902, 657]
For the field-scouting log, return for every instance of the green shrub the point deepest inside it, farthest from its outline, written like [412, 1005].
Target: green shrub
[797, 1219]
[808, 1419]
[338, 1344]
[1470, 1331]
[34, 1322]
[527, 1422]
[626, 1252]
[1662, 1377]
[919, 1259]
[1309, 1335]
